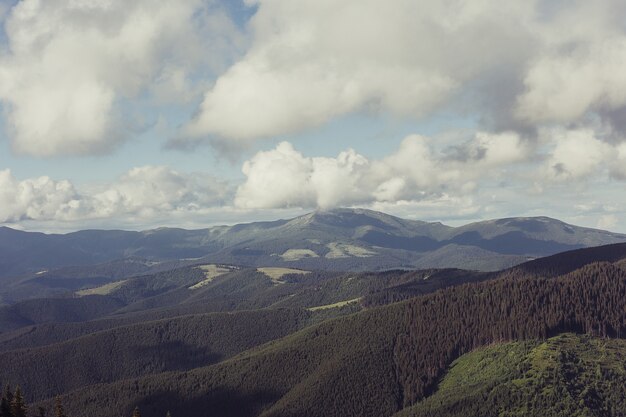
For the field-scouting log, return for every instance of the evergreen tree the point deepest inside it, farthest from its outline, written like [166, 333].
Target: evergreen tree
[58, 407]
[136, 412]
[18, 407]
[8, 394]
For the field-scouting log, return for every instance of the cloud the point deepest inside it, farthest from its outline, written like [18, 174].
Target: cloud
[283, 177]
[486, 175]
[77, 75]
[318, 60]
[150, 190]
[618, 167]
[74, 69]
[426, 173]
[144, 193]
[39, 198]
[577, 154]
[580, 66]
[563, 87]
[516, 65]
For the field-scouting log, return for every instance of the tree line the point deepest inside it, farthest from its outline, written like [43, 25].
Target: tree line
[12, 404]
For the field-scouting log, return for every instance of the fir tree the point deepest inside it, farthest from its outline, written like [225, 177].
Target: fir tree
[18, 407]
[58, 407]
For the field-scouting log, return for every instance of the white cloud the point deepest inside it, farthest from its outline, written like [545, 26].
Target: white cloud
[72, 64]
[422, 172]
[144, 193]
[147, 190]
[38, 198]
[580, 66]
[276, 178]
[577, 154]
[76, 72]
[564, 87]
[499, 149]
[516, 64]
[283, 177]
[486, 176]
[314, 60]
[4, 10]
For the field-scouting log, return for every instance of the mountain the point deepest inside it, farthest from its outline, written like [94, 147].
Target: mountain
[276, 342]
[392, 358]
[40, 265]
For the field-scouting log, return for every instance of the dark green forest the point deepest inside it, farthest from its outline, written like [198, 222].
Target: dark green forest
[12, 404]
[274, 353]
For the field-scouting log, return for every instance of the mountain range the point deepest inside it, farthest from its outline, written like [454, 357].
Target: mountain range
[37, 264]
[534, 339]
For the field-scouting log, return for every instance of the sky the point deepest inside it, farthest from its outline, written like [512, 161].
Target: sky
[150, 113]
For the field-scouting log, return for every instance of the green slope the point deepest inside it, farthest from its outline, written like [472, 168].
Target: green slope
[568, 375]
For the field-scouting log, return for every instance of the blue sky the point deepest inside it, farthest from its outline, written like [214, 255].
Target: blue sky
[152, 113]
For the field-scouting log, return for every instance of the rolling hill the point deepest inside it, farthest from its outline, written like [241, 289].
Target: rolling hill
[376, 362]
[271, 353]
[187, 291]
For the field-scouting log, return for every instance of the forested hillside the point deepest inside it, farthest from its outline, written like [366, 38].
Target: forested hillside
[381, 360]
[187, 291]
[279, 343]
[567, 375]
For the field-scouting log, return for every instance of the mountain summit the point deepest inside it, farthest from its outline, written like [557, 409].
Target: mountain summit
[341, 239]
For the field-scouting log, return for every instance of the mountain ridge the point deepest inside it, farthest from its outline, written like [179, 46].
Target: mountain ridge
[339, 239]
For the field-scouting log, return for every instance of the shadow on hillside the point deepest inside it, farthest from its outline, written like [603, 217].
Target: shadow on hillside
[221, 402]
[177, 356]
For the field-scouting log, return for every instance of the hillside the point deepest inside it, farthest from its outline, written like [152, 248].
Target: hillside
[567, 375]
[379, 361]
[186, 291]
[36, 264]
[130, 351]
[277, 342]
[57, 310]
